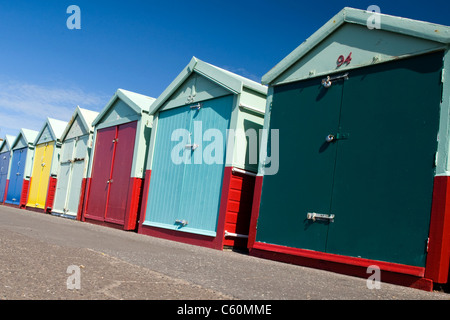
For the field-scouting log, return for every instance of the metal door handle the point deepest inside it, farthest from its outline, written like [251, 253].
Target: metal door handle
[321, 216]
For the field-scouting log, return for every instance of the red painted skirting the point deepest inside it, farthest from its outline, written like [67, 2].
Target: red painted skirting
[437, 267]
[144, 199]
[86, 199]
[255, 211]
[50, 194]
[82, 197]
[180, 236]
[134, 197]
[238, 208]
[24, 193]
[390, 272]
[6, 191]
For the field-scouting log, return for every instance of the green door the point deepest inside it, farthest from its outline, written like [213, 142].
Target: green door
[305, 113]
[384, 171]
[375, 177]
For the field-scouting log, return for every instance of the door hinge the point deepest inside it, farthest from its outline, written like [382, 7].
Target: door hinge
[196, 106]
[428, 243]
[326, 82]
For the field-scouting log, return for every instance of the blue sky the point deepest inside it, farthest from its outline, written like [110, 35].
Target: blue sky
[46, 70]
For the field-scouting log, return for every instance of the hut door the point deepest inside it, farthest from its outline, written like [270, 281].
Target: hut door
[185, 188]
[4, 164]
[111, 173]
[383, 183]
[77, 174]
[40, 176]
[203, 174]
[306, 113]
[70, 175]
[101, 171]
[356, 162]
[120, 173]
[17, 172]
[64, 176]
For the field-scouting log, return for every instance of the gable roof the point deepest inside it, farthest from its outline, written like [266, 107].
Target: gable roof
[138, 102]
[87, 117]
[228, 80]
[414, 28]
[9, 139]
[27, 134]
[56, 127]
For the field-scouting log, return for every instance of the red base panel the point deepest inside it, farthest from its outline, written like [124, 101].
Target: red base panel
[36, 209]
[255, 211]
[390, 273]
[82, 197]
[104, 223]
[184, 237]
[11, 205]
[131, 215]
[438, 257]
[50, 194]
[238, 209]
[24, 194]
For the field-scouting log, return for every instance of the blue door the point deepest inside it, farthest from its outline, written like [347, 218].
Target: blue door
[17, 175]
[4, 165]
[188, 166]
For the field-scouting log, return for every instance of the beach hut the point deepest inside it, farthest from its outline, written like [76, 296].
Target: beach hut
[21, 165]
[362, 109]
[45, 165]
[75, 151]
[117, 165]
[203, 158]
[5, 160]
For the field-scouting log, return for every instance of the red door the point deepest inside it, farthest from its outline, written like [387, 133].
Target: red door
[111, 173]
[121, 172]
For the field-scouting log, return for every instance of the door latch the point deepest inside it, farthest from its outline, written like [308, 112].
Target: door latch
[320, 216]
[337, 136]
[191, 146]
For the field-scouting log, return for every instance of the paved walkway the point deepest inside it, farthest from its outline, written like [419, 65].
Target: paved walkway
[36, 250]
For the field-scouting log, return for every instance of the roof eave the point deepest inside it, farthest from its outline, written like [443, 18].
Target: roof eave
[415, 28]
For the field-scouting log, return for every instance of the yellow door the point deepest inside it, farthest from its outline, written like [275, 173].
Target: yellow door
[40, 175]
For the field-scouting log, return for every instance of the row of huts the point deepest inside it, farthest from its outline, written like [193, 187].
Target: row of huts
[352, 135]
